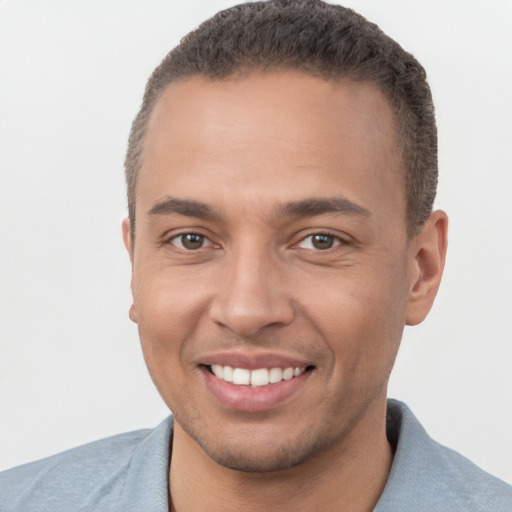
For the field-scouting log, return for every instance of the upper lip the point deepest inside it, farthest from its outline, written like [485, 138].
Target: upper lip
[254, 361]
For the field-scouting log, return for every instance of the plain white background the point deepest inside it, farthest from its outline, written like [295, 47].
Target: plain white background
[71, 79]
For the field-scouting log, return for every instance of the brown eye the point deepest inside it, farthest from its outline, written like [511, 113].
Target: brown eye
[322, 241]
[190, 241]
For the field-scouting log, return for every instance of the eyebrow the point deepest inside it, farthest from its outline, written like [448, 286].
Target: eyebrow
[304, 208]
[186, 207]
[318, 206]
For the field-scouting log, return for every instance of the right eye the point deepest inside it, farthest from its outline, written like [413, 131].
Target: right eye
[190, 241]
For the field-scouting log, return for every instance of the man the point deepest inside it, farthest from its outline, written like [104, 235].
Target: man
[281, 175]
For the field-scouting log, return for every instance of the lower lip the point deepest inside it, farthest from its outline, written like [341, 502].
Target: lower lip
[253, 399]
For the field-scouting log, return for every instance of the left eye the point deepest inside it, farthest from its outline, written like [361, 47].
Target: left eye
[319, 242]
[190, 241]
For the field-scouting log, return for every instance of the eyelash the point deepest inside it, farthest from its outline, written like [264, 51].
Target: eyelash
[337, 241]
[172, 240]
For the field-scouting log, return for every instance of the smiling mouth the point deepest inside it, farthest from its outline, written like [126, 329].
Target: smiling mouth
[255, 378]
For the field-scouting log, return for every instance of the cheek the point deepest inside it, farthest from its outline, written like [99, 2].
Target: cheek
[169, 303]
[361, 317]
[168, 315]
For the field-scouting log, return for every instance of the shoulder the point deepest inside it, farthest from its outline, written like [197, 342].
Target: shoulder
[428, 476]
[77, 478]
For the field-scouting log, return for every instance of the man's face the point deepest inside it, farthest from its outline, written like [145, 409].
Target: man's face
[271, 234]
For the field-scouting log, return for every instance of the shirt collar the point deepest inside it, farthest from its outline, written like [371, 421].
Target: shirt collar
[421, 472]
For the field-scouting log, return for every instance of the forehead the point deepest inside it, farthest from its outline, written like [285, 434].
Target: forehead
[260, 99]
[295, 131]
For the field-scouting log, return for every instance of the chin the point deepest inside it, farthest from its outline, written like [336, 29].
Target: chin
[265, 456]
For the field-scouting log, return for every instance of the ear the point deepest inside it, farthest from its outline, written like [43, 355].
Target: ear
[128, 243]
[127, 237]
[427, 257]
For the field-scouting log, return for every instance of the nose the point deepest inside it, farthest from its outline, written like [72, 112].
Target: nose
[252, 295]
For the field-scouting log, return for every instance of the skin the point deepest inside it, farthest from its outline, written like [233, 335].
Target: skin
[259, 287]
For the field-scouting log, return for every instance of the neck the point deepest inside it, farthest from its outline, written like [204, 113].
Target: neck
[350, 476]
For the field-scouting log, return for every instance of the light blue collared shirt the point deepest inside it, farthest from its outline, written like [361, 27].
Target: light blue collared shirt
[129, 473]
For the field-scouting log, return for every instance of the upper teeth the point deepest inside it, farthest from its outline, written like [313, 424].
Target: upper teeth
[259, 377]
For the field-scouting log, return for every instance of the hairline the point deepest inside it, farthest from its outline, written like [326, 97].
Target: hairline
[246, 71]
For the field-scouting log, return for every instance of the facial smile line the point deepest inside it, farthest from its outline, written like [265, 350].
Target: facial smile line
[254, 378]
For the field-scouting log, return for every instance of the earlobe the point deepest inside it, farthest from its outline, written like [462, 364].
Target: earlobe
[132, 313]
[427, 258]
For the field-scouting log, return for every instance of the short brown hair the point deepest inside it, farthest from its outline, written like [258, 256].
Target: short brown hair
[324, 40]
